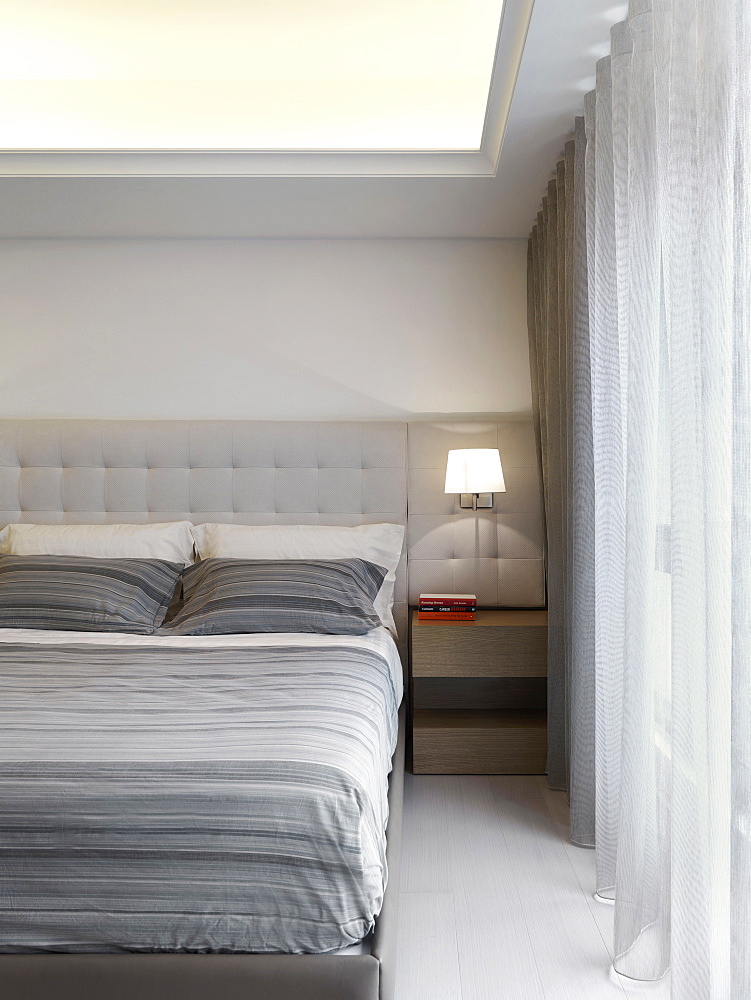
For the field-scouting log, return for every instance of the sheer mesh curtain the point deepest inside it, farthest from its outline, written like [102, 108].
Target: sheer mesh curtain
[640, 343]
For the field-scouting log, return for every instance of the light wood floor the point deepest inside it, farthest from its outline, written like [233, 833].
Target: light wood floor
[495, 902]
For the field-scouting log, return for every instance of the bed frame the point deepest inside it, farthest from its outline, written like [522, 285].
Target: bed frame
[248, 472]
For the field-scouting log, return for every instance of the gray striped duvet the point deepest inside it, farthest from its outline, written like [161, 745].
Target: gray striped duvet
[194, 797]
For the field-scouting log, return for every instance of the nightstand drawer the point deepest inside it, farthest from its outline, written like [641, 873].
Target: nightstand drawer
[479, 694]
[449, 742]
[483, 648]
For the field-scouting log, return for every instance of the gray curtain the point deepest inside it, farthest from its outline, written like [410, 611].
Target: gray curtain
[559, 359]
[640, 347]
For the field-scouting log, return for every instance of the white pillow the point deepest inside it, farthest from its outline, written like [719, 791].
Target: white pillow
[171, 541]
[377, 543]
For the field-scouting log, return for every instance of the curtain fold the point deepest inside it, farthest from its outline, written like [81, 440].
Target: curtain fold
[640, 347]
[581, 576]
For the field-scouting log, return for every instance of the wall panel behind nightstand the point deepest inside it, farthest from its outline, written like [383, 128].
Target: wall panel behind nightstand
[496, 554]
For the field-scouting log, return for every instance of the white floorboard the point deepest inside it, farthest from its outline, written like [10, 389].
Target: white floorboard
[428, 964]
[496, 903]
[582, 861]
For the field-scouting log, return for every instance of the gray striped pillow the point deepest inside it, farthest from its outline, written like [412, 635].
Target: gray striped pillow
[222, 596]
[77, 593]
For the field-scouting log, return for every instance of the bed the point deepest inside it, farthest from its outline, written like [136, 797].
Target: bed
[322, 711]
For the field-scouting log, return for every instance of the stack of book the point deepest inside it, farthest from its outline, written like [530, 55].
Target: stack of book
[447, 607]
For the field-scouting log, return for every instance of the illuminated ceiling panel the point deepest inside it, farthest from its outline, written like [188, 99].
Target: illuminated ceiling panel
[246, 74]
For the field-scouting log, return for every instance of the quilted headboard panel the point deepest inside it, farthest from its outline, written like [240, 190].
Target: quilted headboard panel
[496, 554]
[250, 472]
[265, 472]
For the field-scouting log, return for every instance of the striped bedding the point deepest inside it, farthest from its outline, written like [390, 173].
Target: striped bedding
[86, 594]
[193, 793]
[230, 596]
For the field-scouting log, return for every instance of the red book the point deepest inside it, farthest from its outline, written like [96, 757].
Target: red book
[447, 607]
[445, 616]
[448, 600]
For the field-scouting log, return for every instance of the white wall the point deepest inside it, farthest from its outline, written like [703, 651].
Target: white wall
[295, 329]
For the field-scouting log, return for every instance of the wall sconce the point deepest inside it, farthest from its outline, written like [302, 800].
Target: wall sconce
[476, 473]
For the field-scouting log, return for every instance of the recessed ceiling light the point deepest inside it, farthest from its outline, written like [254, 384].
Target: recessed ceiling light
[246, 74]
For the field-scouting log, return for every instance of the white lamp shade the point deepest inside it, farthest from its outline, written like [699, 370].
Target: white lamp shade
[474, 470]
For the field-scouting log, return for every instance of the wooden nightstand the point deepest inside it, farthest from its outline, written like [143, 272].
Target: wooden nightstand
[479, 694]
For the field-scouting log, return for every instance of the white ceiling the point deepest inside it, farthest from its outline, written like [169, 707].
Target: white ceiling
[565, 40]
[246, 74]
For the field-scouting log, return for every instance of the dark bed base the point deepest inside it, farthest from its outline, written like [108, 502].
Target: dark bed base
[228, 977]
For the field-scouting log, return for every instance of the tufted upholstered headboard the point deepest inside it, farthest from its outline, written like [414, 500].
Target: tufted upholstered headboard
[244, 471]
[266, 472]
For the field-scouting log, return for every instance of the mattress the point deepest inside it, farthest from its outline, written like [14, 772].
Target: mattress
[212, 793]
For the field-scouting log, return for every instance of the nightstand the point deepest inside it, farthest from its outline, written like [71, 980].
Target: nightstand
[479, 694]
